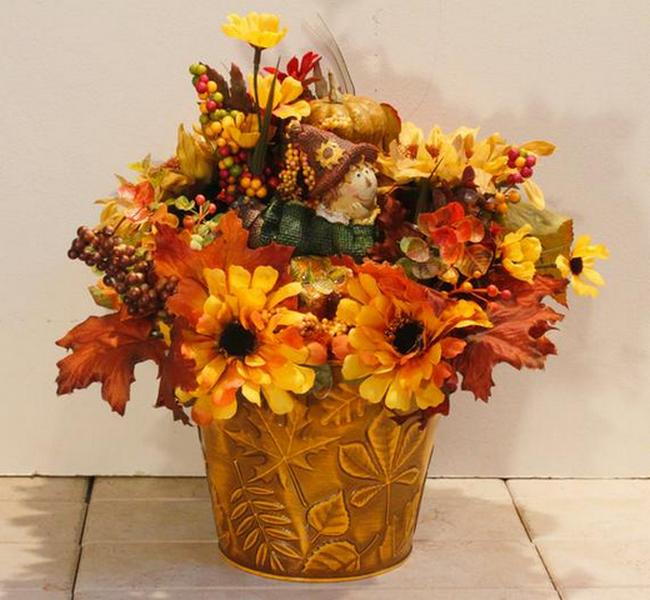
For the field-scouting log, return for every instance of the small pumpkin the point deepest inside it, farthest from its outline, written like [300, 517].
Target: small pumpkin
[356, 118]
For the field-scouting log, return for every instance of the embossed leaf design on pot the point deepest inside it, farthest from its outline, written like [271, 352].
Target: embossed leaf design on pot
[400, 531]
[342, 406]
[333, 557]
[382, 460]
[329, 517]
[260, 522]
[285, 443]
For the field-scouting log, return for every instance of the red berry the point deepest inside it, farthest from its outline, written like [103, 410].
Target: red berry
[200, 199]
[242, 155]
[526, 172]
[530, 160]
[512, 179]
[511, 163]
[492, 290]
[513, 154]
[224, 174]
[273, 182]
[212, 208]
[201, 87]
[211, 105]
[224, 151]
[230, 198]
[506, 295]
[204, 78]
[188, 222]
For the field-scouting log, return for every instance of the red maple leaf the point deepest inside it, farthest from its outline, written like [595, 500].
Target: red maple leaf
[106, 349]
[298, 69]
[174, 257]
[517, 336]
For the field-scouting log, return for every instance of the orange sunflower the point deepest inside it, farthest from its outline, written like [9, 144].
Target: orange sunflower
[246, 339]
[398, 342]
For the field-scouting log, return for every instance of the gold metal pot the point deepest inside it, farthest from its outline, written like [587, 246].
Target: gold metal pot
[329, 492]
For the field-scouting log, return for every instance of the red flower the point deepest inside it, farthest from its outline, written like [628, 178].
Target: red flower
[299, 70]
[449, 229]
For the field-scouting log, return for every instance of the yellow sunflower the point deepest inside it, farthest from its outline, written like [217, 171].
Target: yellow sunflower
[259, 30]
[398, 344]
[519, 252]
[580, 264]
[246, 340]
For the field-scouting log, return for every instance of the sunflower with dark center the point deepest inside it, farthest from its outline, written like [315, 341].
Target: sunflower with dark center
[244, 340]
[399, 343]
[578, 268]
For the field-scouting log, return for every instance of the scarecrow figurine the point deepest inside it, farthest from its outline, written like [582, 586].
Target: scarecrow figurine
[327, 202]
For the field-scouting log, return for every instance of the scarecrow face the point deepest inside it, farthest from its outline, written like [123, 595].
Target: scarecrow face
[356, 196]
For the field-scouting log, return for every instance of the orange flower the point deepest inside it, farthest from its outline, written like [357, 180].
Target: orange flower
[245, 340]
[399, 341]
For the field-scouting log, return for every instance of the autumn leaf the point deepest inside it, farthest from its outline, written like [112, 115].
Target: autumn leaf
[106, 349]
[175, 371]
[517, 336]
[174, 257]
[473, 258]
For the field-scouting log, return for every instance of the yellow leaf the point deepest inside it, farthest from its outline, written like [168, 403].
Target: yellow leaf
[539, 147]
[329, 517]
[535, 194]
[355, 460]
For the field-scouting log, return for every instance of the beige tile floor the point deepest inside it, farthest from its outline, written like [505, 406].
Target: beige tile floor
[477, 539]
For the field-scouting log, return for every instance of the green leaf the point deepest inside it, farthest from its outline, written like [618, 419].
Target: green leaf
[259, 153]
[183, 203]
[415, 248]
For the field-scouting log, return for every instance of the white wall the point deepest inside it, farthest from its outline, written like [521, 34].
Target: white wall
[88, 86]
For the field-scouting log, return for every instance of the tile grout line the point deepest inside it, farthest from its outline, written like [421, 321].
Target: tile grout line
[530, 538]
[89, 493]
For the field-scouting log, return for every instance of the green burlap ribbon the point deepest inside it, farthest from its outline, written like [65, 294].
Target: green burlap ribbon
[295, 224]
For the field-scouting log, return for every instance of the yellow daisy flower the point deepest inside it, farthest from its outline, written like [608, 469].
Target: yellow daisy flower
[398, 344]
[259, 30]
[246, 340]
[285, 96]
[519, 252]
[580, 264]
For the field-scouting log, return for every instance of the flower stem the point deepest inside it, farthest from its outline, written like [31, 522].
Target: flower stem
[256, 69]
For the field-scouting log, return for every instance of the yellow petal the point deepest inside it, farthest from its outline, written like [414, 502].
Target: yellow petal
[290, 89]
[281, 294]
[225, 412]
[280, 401]
[251, 393]
[531, 248]
[398, 397]
[210, 374]
[593, 276]
[524, 271]
[296, 110]
[562, 264]
[534, 193]
[216, 280]
[347, 311]
[583, 289]
[353, 368]
[374, 387]
[264, 278]
[238, 277]
[430, 396]
[539, 147]
[370, 317]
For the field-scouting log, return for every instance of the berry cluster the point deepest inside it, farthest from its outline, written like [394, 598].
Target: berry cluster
[129, 272]
[523, 162]
[211, 98]
[206, 209]
[499, 202]
[296, 171]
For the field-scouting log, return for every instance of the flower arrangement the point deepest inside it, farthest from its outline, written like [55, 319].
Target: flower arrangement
[305, 244]
[446, 275]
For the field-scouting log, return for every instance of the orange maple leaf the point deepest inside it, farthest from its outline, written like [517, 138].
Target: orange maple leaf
[516, 337]
[106, 349]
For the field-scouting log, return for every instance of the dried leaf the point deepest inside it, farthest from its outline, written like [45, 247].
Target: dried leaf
[330, 516]
[517, 336]
[415, 248]
[106, 349]
[473, 258]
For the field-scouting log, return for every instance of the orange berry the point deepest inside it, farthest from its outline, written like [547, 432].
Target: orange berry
[520, 162]
[261, 193]
[476, 274]
[514, 196]
[502, 208]
[500, 197]
[245, 182]
[466, 286]
[221, 142]
[250, 192]
[256, 184]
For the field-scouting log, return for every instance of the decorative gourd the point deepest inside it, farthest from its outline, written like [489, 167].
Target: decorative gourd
[355, 118]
